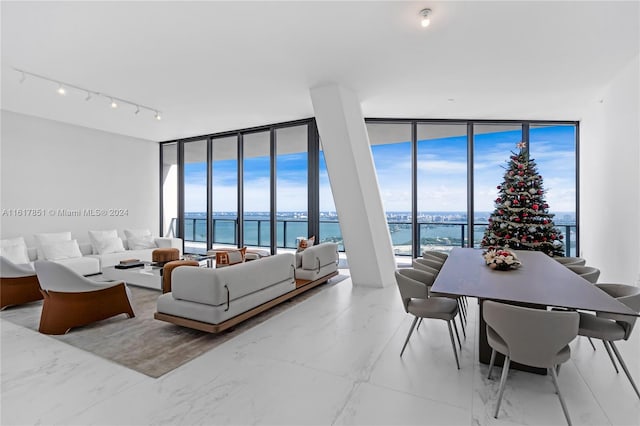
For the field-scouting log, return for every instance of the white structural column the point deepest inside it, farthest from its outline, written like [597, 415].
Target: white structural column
[354, 185]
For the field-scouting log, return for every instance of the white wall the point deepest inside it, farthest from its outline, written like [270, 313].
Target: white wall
[610, 178]
[48, 165]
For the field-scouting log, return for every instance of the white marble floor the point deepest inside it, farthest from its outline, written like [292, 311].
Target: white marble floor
[333, 359]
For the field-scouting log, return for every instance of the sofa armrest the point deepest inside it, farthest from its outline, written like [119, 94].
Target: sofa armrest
[318, 256]
[166, 242]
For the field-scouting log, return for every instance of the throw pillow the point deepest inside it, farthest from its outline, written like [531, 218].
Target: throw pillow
[15, 250]
[111, 245]
[303, 244]
[136, 233]
[143, 242]
[230, 257]
[58, 250]
[97, 237]
[42, 239]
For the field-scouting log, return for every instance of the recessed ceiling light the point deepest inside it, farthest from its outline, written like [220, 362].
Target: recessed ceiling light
[426, 20]
[61, 90]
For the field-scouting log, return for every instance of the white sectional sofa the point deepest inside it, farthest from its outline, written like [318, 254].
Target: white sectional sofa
[111, 259]
[81, 257]
[212, 296]
[213, 300]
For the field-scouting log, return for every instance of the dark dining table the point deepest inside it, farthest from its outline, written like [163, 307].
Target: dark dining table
[540, 282]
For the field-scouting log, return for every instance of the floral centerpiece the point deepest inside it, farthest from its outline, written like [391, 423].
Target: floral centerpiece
[501, 259]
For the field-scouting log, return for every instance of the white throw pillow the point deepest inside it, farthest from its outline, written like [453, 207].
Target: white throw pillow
[59, 250]
[136, 233]
[111, 245]
[139, 243]
[42, 239]
[15, 253]
[97, 237]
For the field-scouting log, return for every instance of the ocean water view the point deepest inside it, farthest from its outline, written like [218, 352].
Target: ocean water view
[437, 230]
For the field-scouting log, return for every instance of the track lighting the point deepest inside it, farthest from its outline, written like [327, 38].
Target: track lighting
[426, 20]
[115, 101]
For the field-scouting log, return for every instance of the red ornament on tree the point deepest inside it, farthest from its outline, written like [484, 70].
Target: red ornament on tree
[535, 207]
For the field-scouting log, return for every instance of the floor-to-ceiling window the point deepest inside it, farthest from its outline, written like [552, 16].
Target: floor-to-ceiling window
[329, 223]
[195, 196]
[257, 189]
[292, 212]
[553, 147]
[224, 191]
[391, 149]
[441, 169]
[493, 144]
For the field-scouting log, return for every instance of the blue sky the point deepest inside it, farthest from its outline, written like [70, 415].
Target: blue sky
[442, 174]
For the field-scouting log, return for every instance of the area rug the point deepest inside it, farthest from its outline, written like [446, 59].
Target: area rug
[144, 344]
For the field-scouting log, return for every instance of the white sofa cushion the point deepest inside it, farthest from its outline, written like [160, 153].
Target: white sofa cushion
[97, 237]
[85, 265]
[15, 250]
[142, 242]
[58, 250]
[48, 238]
[110, 245]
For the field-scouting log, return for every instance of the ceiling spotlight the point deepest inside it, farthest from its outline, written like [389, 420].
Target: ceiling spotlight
[425, 13]
[158, 117]
[61, 90]
[137, 109]
[113, 104]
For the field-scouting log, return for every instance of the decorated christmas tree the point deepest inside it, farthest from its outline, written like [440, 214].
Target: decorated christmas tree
[521, 219]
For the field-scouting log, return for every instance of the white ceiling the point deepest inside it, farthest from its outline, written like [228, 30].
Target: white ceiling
[215, 66]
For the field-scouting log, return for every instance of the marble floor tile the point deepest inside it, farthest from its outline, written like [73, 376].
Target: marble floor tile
[331, 359]
[375, 405]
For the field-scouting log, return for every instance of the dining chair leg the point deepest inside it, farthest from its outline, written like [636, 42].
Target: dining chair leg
[464, 333]
[554, 378]
[591, 342]
[624, 367]
[606, 346]
[409, 335]
[503, 380]
[453, 344]
[558, 369]
[455, 327]
[462, 309]
[493, 360]
[419, 322]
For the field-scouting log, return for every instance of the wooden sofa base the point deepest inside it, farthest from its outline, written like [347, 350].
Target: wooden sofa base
[301, 287]
[16, 291]
[63, 311]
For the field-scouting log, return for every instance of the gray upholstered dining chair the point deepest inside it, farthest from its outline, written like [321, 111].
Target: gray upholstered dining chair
[417, 301]
[577, 261]
[435, 254]
[533, 337]
[611, 327]
[589, 273]
[426, 265]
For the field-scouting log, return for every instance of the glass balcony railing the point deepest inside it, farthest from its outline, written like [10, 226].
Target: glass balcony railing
[432, 235]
